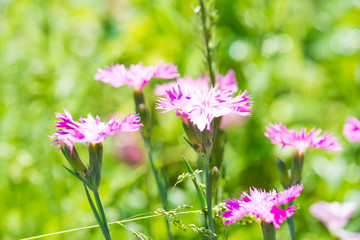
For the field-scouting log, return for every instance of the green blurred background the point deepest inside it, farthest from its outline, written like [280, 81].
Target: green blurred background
[299, 60]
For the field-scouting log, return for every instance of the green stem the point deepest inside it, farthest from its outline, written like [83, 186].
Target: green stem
[268, 231]
[209, 198]
[100, 207]
[207, 37]
[198, 189]
[291, 224]
[162, 188]
[104, 229]
[227, 233]
[296, 168]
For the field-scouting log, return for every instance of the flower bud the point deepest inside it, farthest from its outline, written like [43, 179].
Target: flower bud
[71, 155]
[95, 159]
[143, 111]
[214, 179]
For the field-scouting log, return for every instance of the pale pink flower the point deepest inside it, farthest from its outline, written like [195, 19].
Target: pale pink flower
[129, 148]
[351, 129]
[335, 216]
[263, 205]
[91, 130]
[137, 76]
[187, 86]
[231, 120]
[346, 235]
[201, 107]
[279, 134]
[225, 83]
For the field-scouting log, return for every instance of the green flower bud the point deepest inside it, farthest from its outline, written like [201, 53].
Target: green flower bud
[73, 158]
[95, 156]
[143, 112]
[214, 179]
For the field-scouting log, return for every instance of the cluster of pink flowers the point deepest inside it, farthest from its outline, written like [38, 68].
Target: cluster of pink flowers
[280, 134]
[137, 76]
[263, 205]
[201, 107]
[335, 216]
[91, 130]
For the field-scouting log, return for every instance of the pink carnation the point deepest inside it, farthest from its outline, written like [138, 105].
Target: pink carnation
[137, 76]
[91, 130]
[351, 129]
[279, 134]
[225, 83]
[201, 107]
[335, 216]
[263, 205]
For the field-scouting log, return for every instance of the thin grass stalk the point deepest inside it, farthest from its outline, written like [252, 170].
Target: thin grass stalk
[111, 223]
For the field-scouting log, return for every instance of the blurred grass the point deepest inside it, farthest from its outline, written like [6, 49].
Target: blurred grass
[299, 60]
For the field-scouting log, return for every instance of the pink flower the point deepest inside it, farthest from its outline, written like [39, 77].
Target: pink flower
[279, 134]
[129, 148]
[263, 205]
[91, 130]
[231, 120]
[225, 83]
[187, 85]
[137, 76]
[351, 129]
[335, 216]
[201, 107]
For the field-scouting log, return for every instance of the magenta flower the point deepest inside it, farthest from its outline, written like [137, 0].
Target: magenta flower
[137, 76]
[225, 83]
[201, 107]
[91, 130]
[279, 134]
[262, 205]
[351, 129]
[335, 216]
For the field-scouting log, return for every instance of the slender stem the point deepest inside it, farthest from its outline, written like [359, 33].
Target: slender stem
[103, 228]
[268, 231]
[291, 224]
[102, 212]
[198, 189]
[209, 198]
[162, 188]
[207, 37]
